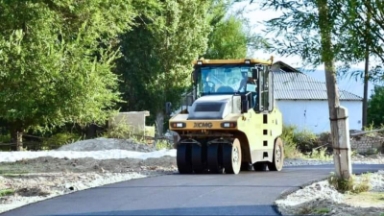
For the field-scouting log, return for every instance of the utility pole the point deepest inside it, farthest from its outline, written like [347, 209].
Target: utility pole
[338, 115]
[366, 68]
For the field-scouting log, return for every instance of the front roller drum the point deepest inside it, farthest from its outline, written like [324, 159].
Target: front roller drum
[232, 157]
[183, 159]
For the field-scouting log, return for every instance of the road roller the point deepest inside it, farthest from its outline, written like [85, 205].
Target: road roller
[230, 122]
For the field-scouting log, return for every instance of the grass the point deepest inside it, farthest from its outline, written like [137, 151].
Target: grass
[6, 192]
[350, 185]
[310, 210]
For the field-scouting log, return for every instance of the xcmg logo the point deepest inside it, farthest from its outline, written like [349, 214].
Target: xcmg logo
[202, 125]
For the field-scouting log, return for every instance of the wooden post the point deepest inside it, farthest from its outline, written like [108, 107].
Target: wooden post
[341, 144]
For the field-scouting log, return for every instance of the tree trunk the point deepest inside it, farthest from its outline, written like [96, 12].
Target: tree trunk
[159, 130]
[337, 115]
[19, 140]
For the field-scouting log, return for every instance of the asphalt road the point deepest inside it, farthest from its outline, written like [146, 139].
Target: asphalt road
[248, 193]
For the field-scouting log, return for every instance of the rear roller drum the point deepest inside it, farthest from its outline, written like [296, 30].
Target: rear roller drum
[232, 157]
[214, 158]
[183, 159]
[197, 159]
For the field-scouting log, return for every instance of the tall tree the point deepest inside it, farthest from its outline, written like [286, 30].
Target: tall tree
[228, 40]
[158, 53]
[310, 27]
[56, 61]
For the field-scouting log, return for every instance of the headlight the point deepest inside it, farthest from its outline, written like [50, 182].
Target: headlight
[228, 124]
[178, 124]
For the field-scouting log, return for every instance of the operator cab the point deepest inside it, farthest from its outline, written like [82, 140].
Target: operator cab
[249, 78]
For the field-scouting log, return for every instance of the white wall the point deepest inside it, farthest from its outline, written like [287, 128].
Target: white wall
[314, 115]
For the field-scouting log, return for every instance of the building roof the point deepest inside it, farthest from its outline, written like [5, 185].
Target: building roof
[294, 85]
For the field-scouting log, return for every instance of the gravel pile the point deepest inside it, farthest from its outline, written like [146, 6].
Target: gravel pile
[321, 198]
[102, 143]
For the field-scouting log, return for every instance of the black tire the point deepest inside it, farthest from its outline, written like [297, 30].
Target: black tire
[214, 158]
[260, 166]
[183, 159]
[245, 166]
[197, 159]
[232, 157]
[278, 156]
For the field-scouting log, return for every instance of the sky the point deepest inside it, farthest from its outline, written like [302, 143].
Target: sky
[257, 16]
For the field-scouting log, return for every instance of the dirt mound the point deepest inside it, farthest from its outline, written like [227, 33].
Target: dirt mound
[102, 143]
[83, 165]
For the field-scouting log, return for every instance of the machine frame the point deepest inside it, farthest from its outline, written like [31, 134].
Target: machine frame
[227, 132]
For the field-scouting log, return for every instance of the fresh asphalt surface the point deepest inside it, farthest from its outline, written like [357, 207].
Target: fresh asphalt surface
[248, 193]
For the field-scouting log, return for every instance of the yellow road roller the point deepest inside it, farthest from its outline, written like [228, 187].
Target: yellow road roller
[231, 122]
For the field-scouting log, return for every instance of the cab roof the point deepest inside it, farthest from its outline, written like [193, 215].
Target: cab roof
[233, 61]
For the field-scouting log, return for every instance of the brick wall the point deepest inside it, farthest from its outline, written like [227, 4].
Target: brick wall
[364, 144]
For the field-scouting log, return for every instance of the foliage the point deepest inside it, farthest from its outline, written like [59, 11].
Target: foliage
[156, 66]
[350, 185]
[57, 59]
[163, 144]
[59, 139]
[5, 138]
[375, 110]
[119, 131]
[228, 40]
[6, 192]
[304, 144]
[232, 35]
[290, 146]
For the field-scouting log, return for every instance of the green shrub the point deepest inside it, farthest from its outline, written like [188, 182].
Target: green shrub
[305, 140]
[6, 192]
[290, 146]
[304, 143]
[321, 154]
[163, 144]
[5, 138]
[60, 139]
[350, 185]
[119, 131]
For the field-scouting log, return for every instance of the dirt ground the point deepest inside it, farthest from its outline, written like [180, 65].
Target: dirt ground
[34, 180]
[83, 165]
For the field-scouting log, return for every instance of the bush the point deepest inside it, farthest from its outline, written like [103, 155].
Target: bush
[290, 146]
[349, 185]
[119, 131]
[5, 138]
[304, 143]
[59, 139]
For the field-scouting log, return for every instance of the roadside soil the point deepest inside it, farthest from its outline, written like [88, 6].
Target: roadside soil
[28, 181]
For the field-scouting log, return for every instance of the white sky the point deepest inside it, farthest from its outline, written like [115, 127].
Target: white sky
[256, 17]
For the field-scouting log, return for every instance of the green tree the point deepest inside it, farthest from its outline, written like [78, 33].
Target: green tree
[228, 40]
[375, 107]
[312, 30]
[158, 55]
[232, 34]
[57, 60]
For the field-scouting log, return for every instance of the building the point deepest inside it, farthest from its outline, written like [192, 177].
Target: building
[303, 100]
